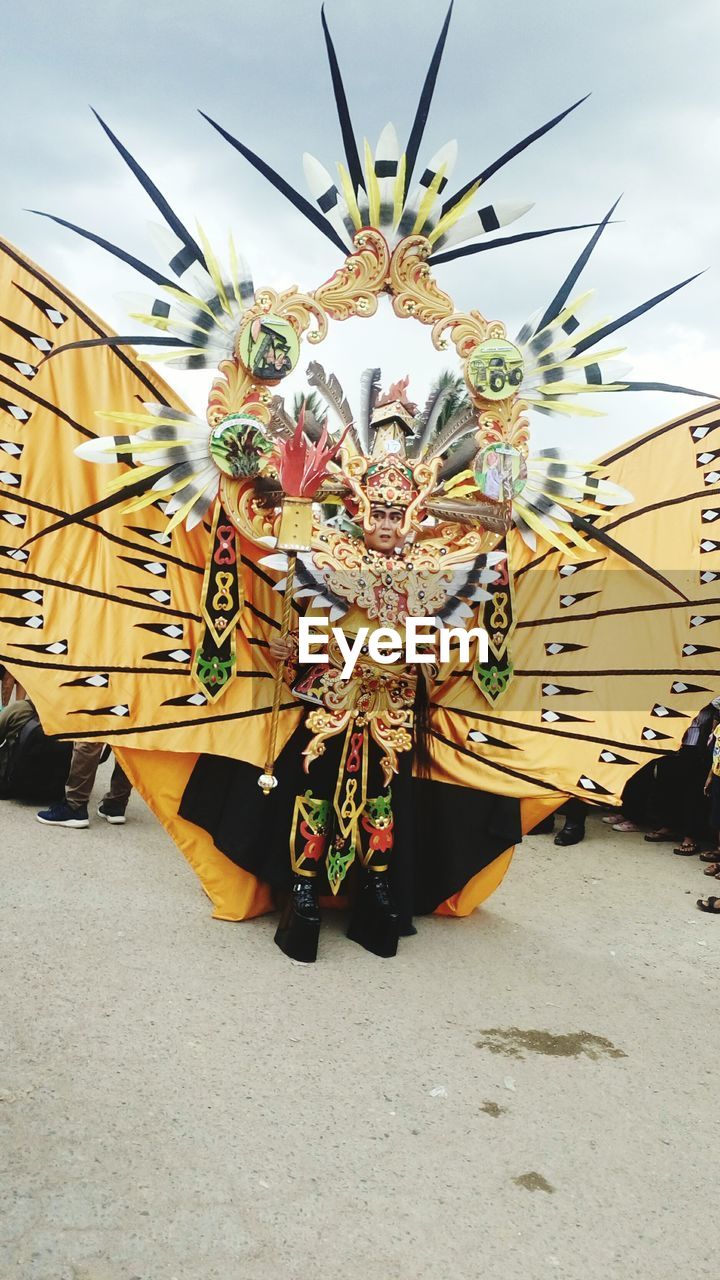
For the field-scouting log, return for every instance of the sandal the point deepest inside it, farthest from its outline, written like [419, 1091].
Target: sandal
[713, 870]
[612, 818]
[625, 825]
[687, 850]
[712, 855]
[709, 904]
[659, 837]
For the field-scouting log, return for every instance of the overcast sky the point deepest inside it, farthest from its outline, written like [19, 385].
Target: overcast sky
[650, 130]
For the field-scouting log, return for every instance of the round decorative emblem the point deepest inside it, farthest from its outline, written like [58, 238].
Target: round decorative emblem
[500, 472]
[269, 347]
[238, 445]
[495, 369]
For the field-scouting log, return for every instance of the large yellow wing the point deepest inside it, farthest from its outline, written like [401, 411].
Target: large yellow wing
[99, 619]
[610, 665]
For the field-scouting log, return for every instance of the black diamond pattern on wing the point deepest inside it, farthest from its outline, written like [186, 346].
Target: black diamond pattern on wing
[611, 757]
[98, 681]
[120, 710]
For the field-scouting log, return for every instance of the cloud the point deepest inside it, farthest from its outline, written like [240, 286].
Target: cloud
[650, 128]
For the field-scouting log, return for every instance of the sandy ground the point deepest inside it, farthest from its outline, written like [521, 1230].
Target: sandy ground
[180, 1102]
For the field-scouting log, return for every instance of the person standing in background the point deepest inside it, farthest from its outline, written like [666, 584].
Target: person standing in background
[72, 811]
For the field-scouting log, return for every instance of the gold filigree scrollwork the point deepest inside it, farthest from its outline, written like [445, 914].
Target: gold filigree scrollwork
[496, 329]
[235, 391]
[354, 288]
[415, 293]
[505, 423]
[355, 468]
[300, 309]
[425, 476]
[465, 330]
[248, 515]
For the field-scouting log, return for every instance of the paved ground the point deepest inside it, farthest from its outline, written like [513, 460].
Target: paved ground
[528, 1093]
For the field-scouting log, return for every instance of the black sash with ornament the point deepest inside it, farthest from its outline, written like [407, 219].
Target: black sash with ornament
[222, 602]
[498, 619]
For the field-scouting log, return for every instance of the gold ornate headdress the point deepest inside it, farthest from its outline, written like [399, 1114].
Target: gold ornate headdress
[388, 477]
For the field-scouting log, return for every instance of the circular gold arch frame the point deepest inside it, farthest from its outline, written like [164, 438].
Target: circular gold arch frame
[354, 290]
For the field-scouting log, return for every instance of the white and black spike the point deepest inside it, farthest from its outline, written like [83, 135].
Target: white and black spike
[328, 198]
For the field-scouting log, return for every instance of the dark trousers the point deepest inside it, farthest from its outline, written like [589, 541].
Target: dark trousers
[677, 799]
[81, 778]
[575, 812]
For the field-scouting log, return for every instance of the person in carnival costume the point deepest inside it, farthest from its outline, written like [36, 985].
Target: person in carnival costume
[151, 602]
[346, 795]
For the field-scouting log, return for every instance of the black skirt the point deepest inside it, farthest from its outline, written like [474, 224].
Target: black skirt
[444, 834]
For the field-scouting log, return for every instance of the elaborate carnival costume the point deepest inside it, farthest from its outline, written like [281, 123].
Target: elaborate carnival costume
[354, 797]
[142, 611]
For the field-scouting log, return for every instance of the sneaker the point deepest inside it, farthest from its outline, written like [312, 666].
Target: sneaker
[63, 815]
[112, 811]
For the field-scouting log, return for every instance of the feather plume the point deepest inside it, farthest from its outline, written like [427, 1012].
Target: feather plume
[421, 210]
[154, 193]
[490, 514]
[426, 96]
[387, 163]
[668, 386]
[568, 284]
[481, 222]
[332, 393]
[105, 449]
[458, 461]
[468, 587]
[500, 242]
[594, 534]
[430, 417]
[142, 267]
[461, 422]
[343, 111]
[622, 320]
[510, 155]
[133, 340]
[327, 197]
[353, 200]
[305, 208]
[281, 424]
[369, 392]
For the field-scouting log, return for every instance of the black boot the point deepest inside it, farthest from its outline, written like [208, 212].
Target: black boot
[571, 833]
[299, 928]
[375, 923]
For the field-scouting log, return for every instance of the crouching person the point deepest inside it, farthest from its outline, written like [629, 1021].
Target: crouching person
[33, 767]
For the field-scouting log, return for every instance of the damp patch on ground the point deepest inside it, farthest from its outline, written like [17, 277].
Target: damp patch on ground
[493, 1109]
[534, 1182]
[512, 1042]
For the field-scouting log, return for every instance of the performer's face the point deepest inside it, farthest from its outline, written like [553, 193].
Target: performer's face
[385, 534]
